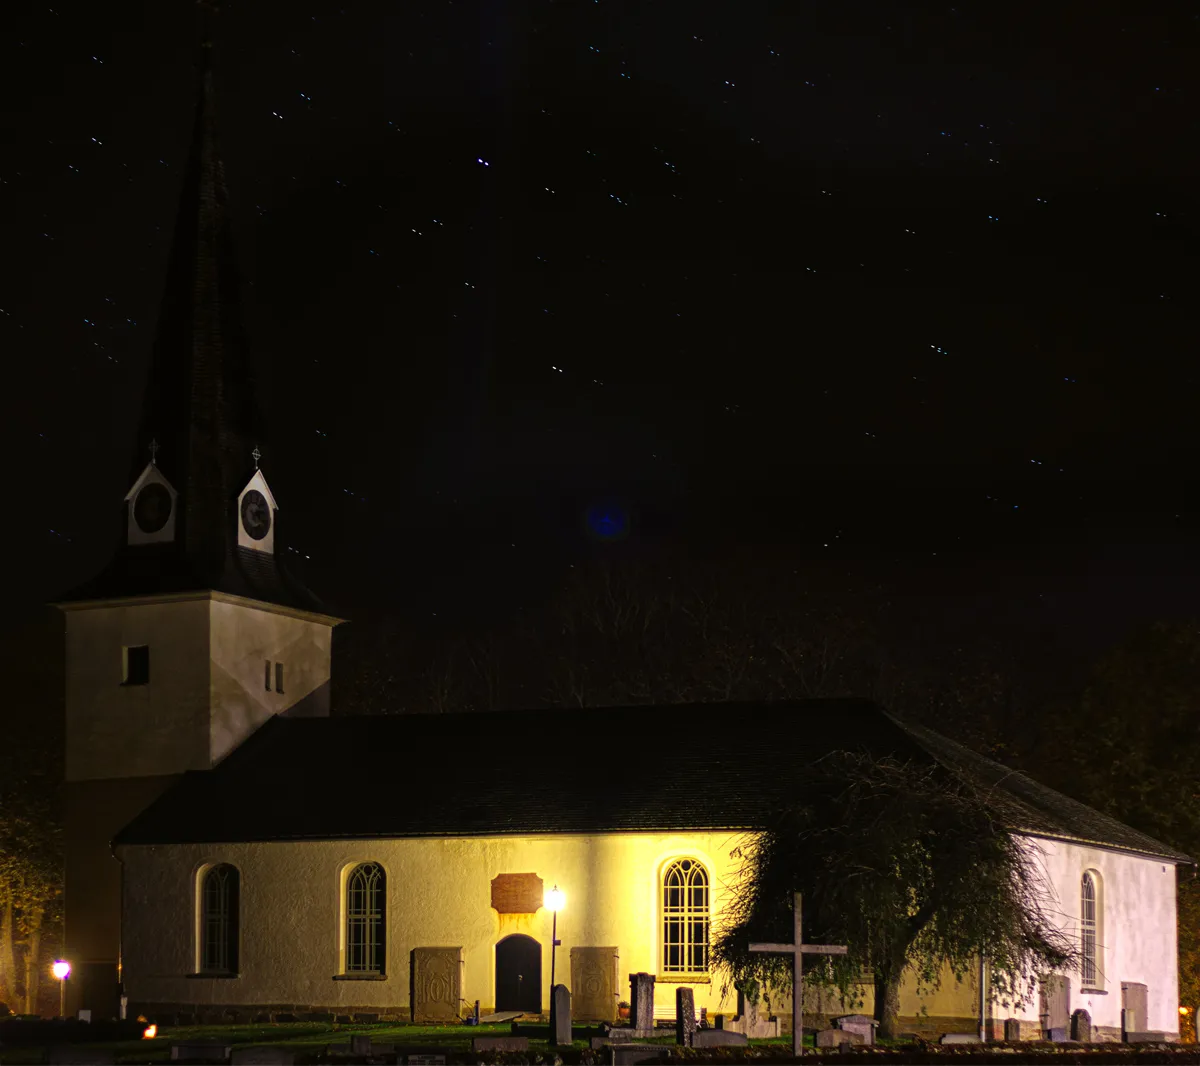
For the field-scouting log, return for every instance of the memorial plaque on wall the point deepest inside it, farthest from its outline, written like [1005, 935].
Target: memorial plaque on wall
[517, 893]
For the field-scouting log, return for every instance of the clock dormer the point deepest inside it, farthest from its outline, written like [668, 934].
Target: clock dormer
[152, 506]
[256, 511]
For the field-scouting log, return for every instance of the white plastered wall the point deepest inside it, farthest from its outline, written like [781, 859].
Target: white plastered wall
[244, 639]
[207, 689]
[1136, 930]
[439, 895]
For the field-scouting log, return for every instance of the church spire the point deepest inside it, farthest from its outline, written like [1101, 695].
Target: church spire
[200, 515]
[199, 403]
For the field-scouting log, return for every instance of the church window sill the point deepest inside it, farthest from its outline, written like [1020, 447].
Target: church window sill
[1093, 992]
[213, 976]
[683, 979]
[360, 977]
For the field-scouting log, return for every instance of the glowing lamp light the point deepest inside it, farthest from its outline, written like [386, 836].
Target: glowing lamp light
[1185, 1010]
[150, 1033]
[555, 899]
[61, 969]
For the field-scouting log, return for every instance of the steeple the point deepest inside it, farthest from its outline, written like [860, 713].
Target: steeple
[199, 514]
[199, 402]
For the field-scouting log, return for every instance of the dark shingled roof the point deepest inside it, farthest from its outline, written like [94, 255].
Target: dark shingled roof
[684, 767]
[200, 406]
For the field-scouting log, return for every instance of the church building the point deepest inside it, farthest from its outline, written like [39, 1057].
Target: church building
[234, 850]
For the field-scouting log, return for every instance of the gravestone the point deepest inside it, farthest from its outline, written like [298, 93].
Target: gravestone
[360, 1044]
[1058, 1035]
[641, 1001]
[436, 984]
[960, 1038]
[1133, 1008]
[263, 1056]
[685, 1016]
[1081, 1026]
[858, 1023]
[1012, 1029]
[560, 1015]
[717, 1038]
[837, 1038]
[594, 984]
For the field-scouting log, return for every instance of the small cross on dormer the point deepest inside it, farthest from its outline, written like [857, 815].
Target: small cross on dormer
[154, 452]
[257, 455]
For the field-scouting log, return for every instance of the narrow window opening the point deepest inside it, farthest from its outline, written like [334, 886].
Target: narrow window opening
[267, 676]
[1088, 970]
[135, 665]
[279, 677]
[219, 921]
[365, 894]
[685, 918]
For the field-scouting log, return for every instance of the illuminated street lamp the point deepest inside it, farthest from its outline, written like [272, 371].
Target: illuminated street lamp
[62, 970]
[555, 900]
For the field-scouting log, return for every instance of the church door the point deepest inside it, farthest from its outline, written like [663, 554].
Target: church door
[519, 974]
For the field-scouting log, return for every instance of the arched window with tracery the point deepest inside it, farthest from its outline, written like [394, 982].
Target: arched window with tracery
[1088, 925]
[685, 918]
[219, 920]
[366, 889]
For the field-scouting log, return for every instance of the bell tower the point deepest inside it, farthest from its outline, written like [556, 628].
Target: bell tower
[195, 634]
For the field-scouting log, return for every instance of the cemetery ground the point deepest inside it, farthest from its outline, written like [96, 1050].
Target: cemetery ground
[316, 1042]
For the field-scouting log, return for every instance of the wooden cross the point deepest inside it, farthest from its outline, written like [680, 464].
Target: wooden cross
[798, 950]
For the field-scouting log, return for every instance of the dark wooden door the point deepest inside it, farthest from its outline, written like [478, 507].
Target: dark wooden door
[519, 974]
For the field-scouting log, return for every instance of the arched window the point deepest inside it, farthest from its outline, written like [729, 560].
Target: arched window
[1088, 918]
[365, 895]
[219, 920]
[685, 918]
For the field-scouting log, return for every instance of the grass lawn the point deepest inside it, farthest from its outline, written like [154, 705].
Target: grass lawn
[303, 1036]
[313, 1037]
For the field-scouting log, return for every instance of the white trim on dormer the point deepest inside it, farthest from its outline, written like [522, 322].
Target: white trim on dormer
[267, 544]
[151, 475]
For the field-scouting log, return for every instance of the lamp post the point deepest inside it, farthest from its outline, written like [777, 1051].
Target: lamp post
[62, 970]
[555, 900]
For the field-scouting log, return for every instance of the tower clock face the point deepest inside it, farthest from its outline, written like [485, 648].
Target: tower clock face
[256, 514]
[152, 508]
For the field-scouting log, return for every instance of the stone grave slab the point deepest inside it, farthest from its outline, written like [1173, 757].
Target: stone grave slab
[425, 1058]
[500, 1043]
[500, 1017]
[201, 1051]
[960, 1038]
[685, 1016]
[262, 1056]
[1012, 1030]
[633, 1054]
[594, 984]
[80, 1056]
[718, 1038]
[436, 984]
[862, 1024]
[560, 1015]
[838, 1037]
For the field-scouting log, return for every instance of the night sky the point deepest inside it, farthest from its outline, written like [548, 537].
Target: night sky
[912, 283]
